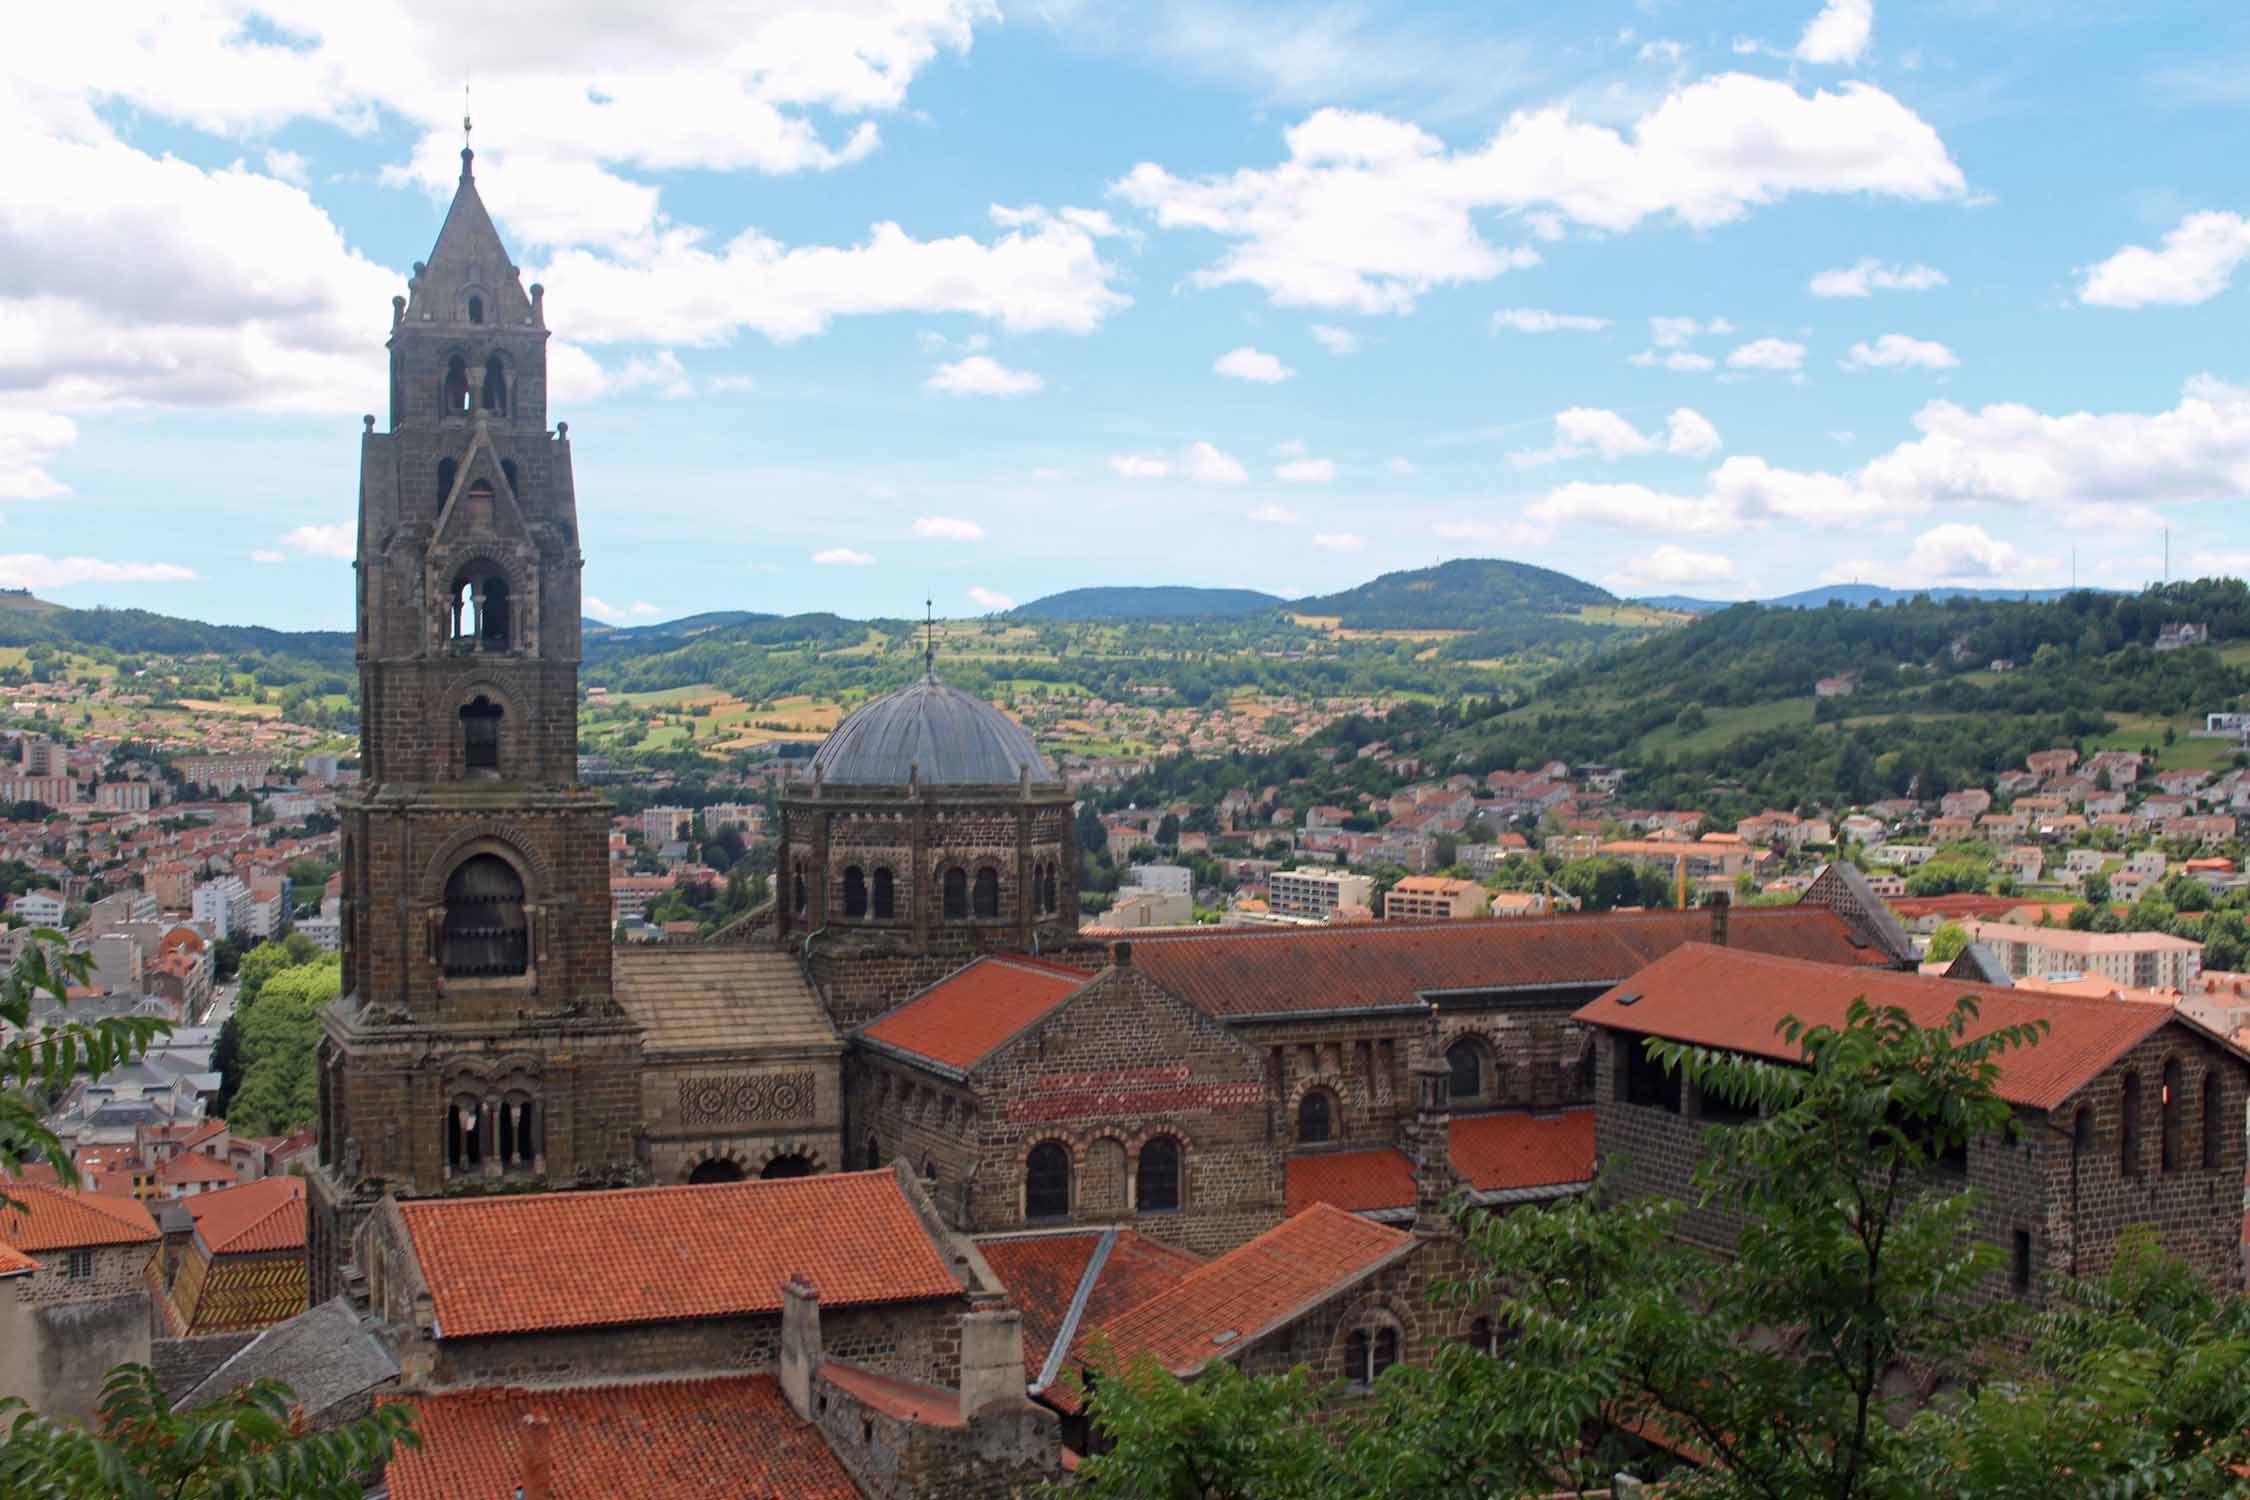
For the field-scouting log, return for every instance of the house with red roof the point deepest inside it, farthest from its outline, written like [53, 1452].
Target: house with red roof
[243, 1265]
[72, 1304]
[2131, 1113]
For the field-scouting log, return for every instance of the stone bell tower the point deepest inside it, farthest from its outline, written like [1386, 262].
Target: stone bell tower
[477, 1046]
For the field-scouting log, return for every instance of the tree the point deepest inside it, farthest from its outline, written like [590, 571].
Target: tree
[251, 1444]
[1947, 942]
[1168, 832]
[280, 1088]
[37, 1061]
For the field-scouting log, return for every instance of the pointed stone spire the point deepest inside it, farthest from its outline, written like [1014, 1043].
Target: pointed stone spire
[469, 277]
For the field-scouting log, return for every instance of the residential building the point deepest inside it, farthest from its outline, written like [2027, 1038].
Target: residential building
[1177, 879]
[663, 825]
[122, 796]
[1305, 892]
[73, 1303]
[221, 907]
[1434, 898]
[1139, 907]
[2141, 960]
[40, 908]
[223, 775]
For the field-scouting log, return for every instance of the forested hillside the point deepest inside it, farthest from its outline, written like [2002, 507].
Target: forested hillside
[1162, 602]
[1469, 593]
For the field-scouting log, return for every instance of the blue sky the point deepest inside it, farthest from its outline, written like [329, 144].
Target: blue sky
[857, 302]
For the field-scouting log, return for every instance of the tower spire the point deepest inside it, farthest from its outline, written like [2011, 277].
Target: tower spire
[467, 155]
[929, 639]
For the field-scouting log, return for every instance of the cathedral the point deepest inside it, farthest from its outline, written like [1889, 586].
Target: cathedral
[918, 992]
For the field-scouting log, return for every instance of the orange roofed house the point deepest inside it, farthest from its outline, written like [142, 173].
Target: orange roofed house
[72, 1298]
[2132, 1113]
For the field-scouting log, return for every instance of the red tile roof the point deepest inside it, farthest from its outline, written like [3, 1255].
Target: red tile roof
[1226, 1302]
[1493, 1153]
[646, 1255]
[14, 1262]
[1250, 974]
[733, 1436]
[1042, 1273]
[907, 1400]
[268, 1214]
[1719, 997]
[56, 1218]
[965, 1016]
[193, 1166]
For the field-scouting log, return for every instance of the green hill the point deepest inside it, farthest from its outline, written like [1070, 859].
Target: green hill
[1163, 602]
[1469, 593]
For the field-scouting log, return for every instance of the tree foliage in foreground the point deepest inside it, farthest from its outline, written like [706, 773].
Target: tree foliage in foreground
[1793, 1368]
[38, 1062]
[251, 1444]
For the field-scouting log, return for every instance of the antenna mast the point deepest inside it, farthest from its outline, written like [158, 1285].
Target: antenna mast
[929, 639]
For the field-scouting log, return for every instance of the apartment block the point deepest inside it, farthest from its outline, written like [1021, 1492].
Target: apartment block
[1304, 892]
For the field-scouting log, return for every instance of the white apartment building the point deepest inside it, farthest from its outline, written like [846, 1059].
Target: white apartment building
[1177, 879]
[664, 825]
[2142, 960]
[40, 908]
[1304, 892]
[1147, 906]
[222, 906]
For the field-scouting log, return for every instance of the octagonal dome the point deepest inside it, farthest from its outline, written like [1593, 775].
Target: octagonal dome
[931, 733]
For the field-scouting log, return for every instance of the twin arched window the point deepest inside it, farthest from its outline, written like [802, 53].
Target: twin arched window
[1316, 1118]
[1046, 889]
[1156, 1179]
[1368, 1354]
[1046, 1182]
[478, 609]
[485, 934]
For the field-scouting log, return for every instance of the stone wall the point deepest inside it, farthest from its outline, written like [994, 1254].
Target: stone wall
[63, 1335]
[743, 1112]
[1397, 1297]
[1001, 1453]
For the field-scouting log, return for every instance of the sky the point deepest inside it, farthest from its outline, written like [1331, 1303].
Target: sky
[861, 302]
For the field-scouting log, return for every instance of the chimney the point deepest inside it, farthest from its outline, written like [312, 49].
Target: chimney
[1719, 904]
[538, 1461]
[991, 1359]
[1430, 1139]
[801, 1355]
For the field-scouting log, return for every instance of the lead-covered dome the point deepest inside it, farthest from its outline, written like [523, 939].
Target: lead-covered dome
[930, 733]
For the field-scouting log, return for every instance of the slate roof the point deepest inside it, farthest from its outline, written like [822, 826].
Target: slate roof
[1227, 1303]
[1723, 998]
[1511, 1151]
[325, 1354]
[733, 1436]
[935, 734]
[57, 1218]
[693, 998]
[1245, 975]
[649, 1255]
[964, 1017]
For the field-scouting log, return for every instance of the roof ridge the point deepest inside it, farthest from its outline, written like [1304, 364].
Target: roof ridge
[428, 1205]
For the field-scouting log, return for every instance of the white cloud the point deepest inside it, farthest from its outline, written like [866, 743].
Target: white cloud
[1402, 467]
[1306, 471]
[1632, 507]
[981, 375]
[1674, 566]
[268, 555]
[989, 600]
[1865, 277]
[659, 372]
[338, 539]
[1678, 359]
[1583, 429]
[1896, 351]
[1952, 553]
[1207, 465]
[1538, 320]
[1661, 51]
[1275, 515]
[1338, 541]
[1768, 354]
[33, 570]
[1839, 34]
[1335, 340]
[29, 441]
[842, 557]
[1247, 363]
[2197, 263]
[728, 384]
[947, 529]
[618, 614]
[1369, 212]
[289, 166]
[1140, 466]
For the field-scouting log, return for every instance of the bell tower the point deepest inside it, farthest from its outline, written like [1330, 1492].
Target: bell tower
[477, 1046]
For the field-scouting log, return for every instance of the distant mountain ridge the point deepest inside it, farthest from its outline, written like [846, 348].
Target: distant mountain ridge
[1157, 602]
[1468, 593]
[1855, 596]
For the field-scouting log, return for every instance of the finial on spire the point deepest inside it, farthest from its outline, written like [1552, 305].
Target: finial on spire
[929, 639]
[466, 154]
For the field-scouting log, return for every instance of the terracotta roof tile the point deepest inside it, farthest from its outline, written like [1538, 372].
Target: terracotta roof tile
[1265, 973]
[733, 1436]
[1493, 1153]
[907, 1400]
[56, 1218]
[193, 1166]
[645, 1255]
[964, 1017]
[1361, 1182]
[1222, 1303]
[1042, 1273]
[14, 1262]
[268, 1214]
[1720, 997]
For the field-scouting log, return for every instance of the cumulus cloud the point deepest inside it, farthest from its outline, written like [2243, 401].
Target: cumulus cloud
[1275, 515]
[339, 539]
[1335, 340]
[989, 600]
[1247, 363]
[1538, 320]
[1955, 552]
[981, 375]
[1771, 355]
[1866, 277]
[1673, 566]
[1207, 465]
[29, 442]
[1306, 471]
[1685, 360]
[2196, 263]
[34, 570]
[947, 529]
[1140, 466]
[1632, 507]
[660, 372]
[1839, 34]
[1895, 351]
[1338, 541]
[1580, 430]
[618, 614]
[1369, 212]
[842, 557]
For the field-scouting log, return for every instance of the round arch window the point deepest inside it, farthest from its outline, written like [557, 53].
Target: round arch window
[485, 934]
